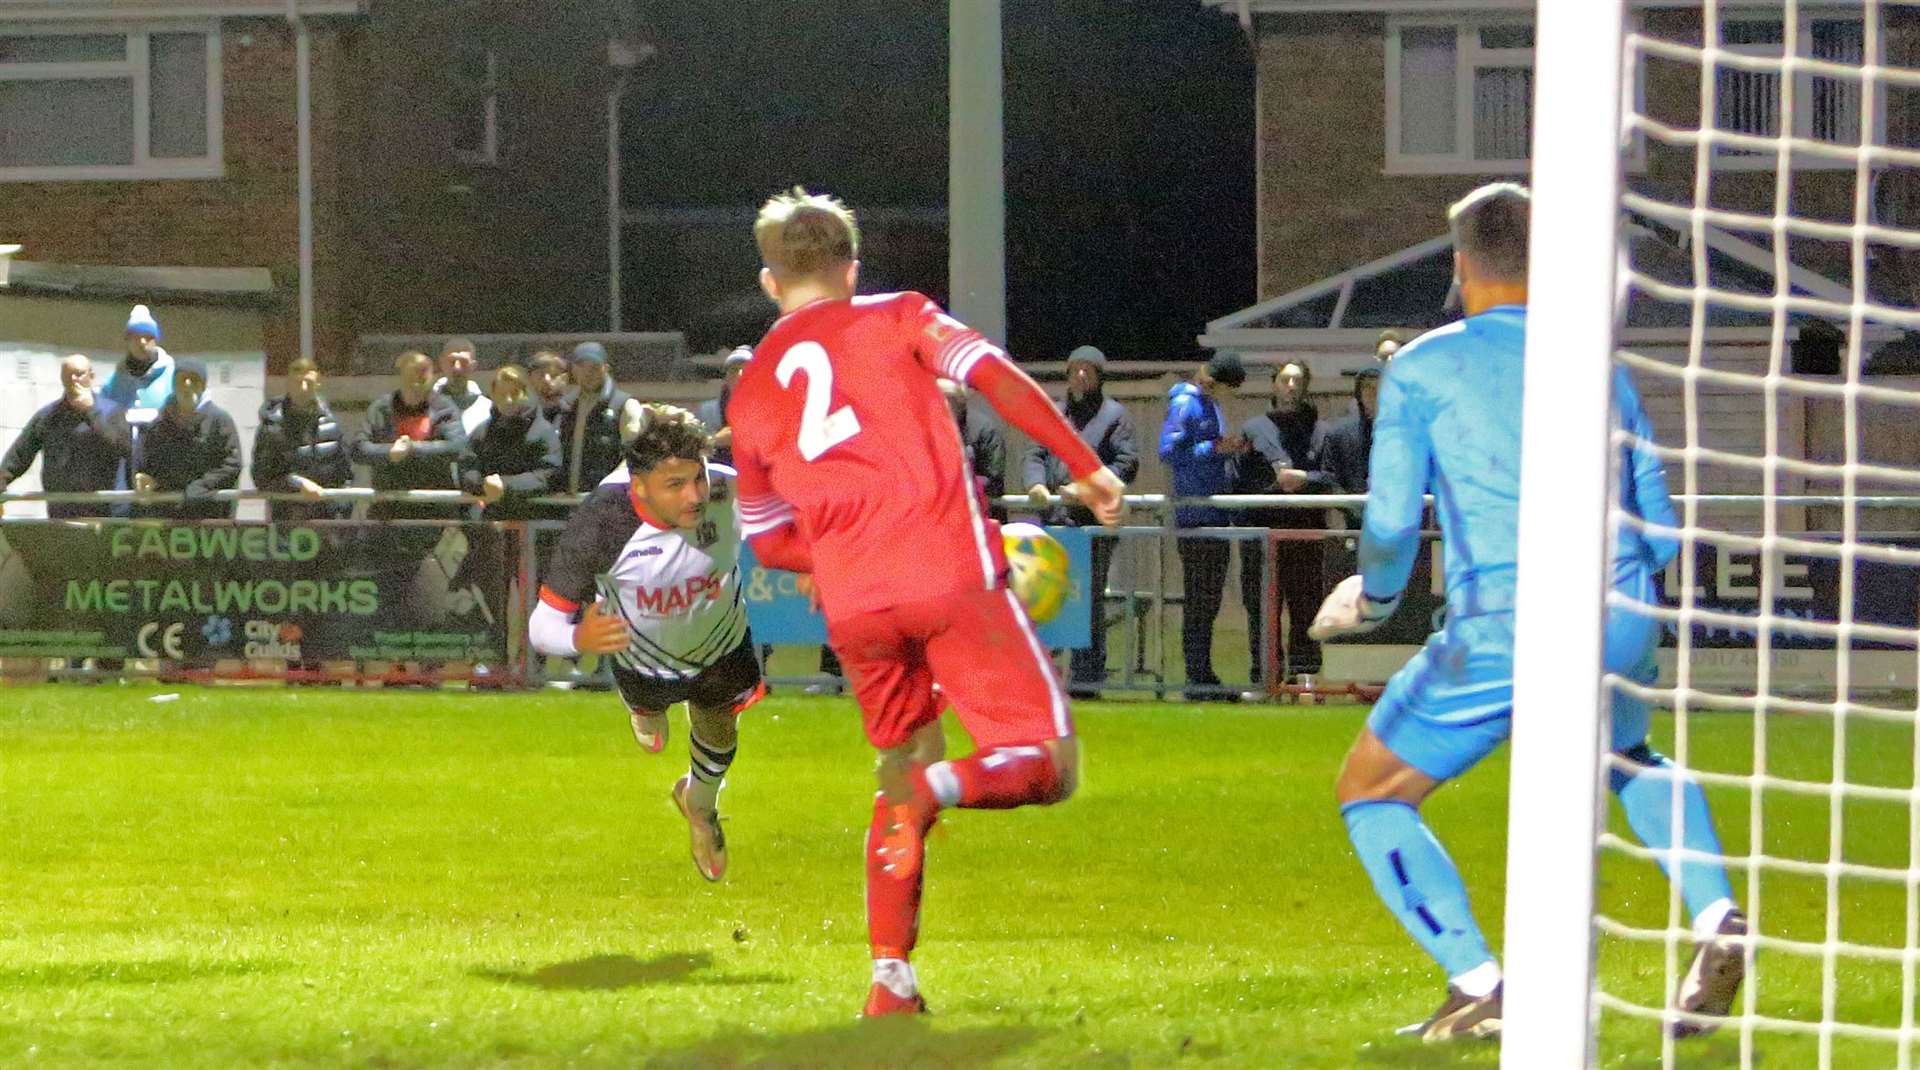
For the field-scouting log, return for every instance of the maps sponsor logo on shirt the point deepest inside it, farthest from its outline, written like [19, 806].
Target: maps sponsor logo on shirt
[667, 601]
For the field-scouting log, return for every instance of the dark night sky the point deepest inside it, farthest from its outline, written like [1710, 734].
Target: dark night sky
[1129, 146]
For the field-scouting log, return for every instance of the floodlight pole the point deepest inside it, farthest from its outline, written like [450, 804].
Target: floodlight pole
[976, 168]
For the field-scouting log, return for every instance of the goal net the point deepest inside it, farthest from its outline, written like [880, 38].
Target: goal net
[1757, 260]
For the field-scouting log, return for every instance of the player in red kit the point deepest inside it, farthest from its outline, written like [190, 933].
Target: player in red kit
[852, 470]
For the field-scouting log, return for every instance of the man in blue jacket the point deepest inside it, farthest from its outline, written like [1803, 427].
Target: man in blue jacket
[1195, 444]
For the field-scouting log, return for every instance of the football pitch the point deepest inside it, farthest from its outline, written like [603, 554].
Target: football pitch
[255, 877]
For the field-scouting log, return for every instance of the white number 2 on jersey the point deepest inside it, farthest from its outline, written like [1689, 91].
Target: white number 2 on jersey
[820, 430]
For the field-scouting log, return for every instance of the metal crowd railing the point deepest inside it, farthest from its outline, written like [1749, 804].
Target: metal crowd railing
[1138, 601]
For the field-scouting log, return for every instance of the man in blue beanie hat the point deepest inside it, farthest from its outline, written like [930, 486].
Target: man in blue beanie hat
[144, 377]
[140, 385]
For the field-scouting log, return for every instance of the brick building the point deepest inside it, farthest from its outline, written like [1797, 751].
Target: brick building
[454, 144]
[1373, 115]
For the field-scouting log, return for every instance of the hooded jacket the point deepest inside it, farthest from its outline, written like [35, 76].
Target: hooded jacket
[432, 465]
[1348, 445]
[524, 451]
[78, 451]
[196, 456]
[1105, 425]
[1283, 438]
[291, 441]
[146, 389]
[1189, 444]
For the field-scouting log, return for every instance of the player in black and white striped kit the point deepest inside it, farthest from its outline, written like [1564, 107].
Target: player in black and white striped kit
[648, 572]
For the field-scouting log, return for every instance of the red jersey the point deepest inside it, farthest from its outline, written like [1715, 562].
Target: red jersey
[839, 428]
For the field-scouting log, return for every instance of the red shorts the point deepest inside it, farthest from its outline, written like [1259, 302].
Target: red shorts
[978, 646]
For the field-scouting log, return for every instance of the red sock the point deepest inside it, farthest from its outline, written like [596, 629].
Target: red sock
[1006, 777]
[893, 903]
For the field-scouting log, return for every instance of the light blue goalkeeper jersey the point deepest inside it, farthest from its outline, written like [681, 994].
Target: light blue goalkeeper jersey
[1449, 422]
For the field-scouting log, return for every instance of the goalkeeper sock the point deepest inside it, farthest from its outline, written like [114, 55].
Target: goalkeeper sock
[997, 779]
[1418, 882]
[893, 902]
[1647, 799]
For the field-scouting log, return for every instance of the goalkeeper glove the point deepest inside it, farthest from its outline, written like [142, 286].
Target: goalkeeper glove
[1349, 611]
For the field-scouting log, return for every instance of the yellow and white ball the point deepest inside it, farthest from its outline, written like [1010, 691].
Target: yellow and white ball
[1037, 567]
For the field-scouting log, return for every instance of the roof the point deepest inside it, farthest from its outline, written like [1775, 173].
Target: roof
[1413, 288]
[114, 10]
[243, 287]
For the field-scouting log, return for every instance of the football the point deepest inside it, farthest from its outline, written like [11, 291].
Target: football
[1037, 570]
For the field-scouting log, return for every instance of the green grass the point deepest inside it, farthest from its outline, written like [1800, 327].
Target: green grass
[315, 878]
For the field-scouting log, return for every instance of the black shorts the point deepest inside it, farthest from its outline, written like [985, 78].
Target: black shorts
[734, 682]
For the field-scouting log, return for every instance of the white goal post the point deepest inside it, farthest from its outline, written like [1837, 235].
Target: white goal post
[1780, 167]
[1559, 604]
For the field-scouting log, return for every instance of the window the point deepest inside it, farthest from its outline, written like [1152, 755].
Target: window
[119, 105]
[476, 104]
[1459, 97]
[1825, 108]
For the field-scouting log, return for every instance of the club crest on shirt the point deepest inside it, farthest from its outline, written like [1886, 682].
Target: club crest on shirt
[706, 534]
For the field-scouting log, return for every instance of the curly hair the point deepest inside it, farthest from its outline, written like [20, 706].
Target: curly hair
[667, 432]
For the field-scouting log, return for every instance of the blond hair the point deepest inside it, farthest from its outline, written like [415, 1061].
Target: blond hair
[511, 375]
[802, 234]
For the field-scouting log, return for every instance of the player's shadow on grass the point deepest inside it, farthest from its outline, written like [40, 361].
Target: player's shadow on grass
[880, 1044]
[141, 972]
[605, 972]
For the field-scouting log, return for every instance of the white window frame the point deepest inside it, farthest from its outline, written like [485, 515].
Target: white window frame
[488, 154]
[1468, 57]
[137, 68]
[1737, 160]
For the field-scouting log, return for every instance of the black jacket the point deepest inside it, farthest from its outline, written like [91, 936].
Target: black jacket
[301, 442]
[1346, 449]
[1105, 425]
[523, 450]
[601, 451]
[78, 451]
[986, 443]
[197, 456]
[433, 464]
[1282, 438]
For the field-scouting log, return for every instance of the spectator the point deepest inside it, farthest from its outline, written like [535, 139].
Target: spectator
[1284, 445]
[1194, 443]
[300, 447]
[1105, 425]
[547, 371]
[413, 441]
[1348, 446]
[515, 455]
[986, 443]
[192, 448]
[456, 384]
[1388, 344]
[593, 426]
[140, 384]
[144, 377]
[79, 439]
[714, 413]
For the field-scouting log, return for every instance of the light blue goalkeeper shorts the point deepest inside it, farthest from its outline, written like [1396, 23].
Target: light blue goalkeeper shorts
[1452, 704]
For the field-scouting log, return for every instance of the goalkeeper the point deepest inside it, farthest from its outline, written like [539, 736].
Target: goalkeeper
[1449, 419]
